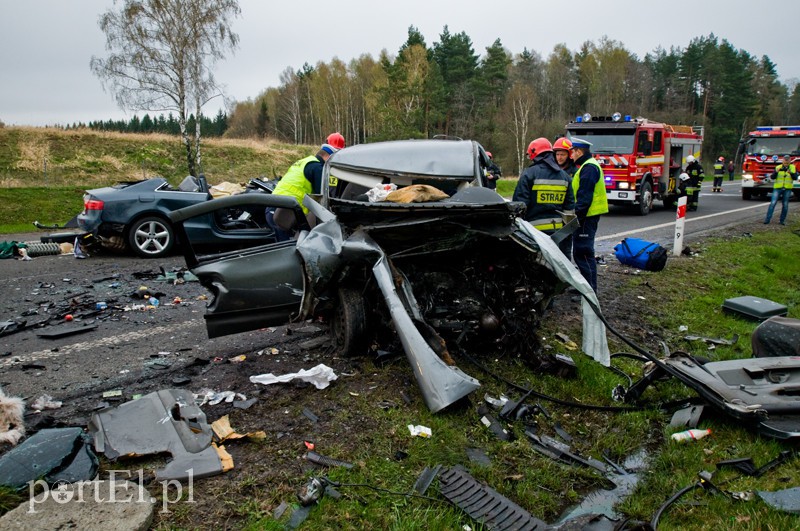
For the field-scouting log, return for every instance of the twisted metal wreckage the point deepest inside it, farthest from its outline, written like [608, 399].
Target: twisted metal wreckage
[461, 270]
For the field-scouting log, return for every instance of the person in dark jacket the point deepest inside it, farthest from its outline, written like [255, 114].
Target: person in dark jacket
[546, 191]
[719, 174]
[590, 203]
[493, 172]
[695, 172]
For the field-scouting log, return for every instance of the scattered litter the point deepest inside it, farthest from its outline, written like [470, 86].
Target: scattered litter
[420, 431]
[683, 328]
[222, 429]
[309, 445]
[310, 415]
[494, 426]
[165, 421]
[116, 393]
[244, 404]
[318, 459]
[687, 417]
[12, 426]
[713, 340]
[63, 331]
[181, 380]
[320, 376]
[690, 435]
[212, 398]
[495, 402]
[237, 359]
[747, 467]
[426, 478]
[279, 510]
[478, 456]
[45, 402]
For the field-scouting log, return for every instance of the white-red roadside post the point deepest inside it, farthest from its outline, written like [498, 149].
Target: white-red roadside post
[680, 220]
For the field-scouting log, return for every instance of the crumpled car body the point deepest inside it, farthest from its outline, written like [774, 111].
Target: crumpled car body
[135, 215]
[439, 277]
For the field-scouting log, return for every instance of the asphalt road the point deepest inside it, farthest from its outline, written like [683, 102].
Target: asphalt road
[132, 346]
[715, 210]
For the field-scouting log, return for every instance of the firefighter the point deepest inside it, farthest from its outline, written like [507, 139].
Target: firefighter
[719, 174]
[562, 149]
[696, 176]
[784, 176]
[545, 189]
[493, 172]
[589, 188]
[303, 177]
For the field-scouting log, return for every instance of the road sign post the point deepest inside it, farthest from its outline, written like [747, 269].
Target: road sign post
[680, 220]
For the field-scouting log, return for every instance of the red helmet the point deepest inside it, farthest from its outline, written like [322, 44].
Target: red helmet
[336, 140]
[563, 144]
[721, 159]
[489, 154]
[540, 145]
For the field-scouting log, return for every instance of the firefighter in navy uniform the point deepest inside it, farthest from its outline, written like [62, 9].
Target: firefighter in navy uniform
[696, 176]
[719, 174]
[546, 191]
[591, 202]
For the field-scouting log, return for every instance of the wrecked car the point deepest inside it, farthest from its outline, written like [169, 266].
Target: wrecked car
[134, 215]
[449, 267]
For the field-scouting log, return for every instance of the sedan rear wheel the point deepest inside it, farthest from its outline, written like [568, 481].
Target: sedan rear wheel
[151, 237]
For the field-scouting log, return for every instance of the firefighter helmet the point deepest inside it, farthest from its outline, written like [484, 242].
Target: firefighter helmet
[689, 159]
[684, 176]
[563, 144]
[489, 154]
[721, 159]
[538, 146]
[336, 140]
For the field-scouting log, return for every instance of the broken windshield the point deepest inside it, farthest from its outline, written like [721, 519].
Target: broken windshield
[607, 141]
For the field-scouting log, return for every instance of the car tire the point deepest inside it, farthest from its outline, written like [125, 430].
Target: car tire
[645, 199]
[349, 323]
[151, 237]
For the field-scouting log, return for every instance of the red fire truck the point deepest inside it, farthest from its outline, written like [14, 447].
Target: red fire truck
[761, 151]
[641, 159]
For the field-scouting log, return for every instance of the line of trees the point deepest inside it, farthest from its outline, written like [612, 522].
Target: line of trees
[168, 124]
[506, 99]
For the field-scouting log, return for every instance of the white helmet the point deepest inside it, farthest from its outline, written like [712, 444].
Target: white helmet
[689, 159]
[684, 176]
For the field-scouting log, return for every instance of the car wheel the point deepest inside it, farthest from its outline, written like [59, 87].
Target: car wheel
[747, 194]
[151, 237]
[645, 199]
[349, 323]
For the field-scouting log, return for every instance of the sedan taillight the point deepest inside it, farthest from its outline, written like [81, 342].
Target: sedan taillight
[92, 204]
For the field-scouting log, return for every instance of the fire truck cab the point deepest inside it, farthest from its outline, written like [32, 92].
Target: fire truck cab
[761, 151]
[641, 159]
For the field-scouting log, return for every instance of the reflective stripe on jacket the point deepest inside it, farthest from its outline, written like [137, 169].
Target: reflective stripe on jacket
[784, 177]
[719, 168]
[294, 182]
[599, 200]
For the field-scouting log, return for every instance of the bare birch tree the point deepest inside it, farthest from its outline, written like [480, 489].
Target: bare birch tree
[161, 55]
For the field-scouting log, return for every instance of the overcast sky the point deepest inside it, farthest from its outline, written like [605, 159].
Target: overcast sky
[46, 45]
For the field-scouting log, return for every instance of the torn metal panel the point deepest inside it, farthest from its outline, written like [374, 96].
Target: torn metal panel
[787, 500]
[167, 421]
[54, 454]
[760, 391]
[595, 342]
[441, 384]
[484, 504]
